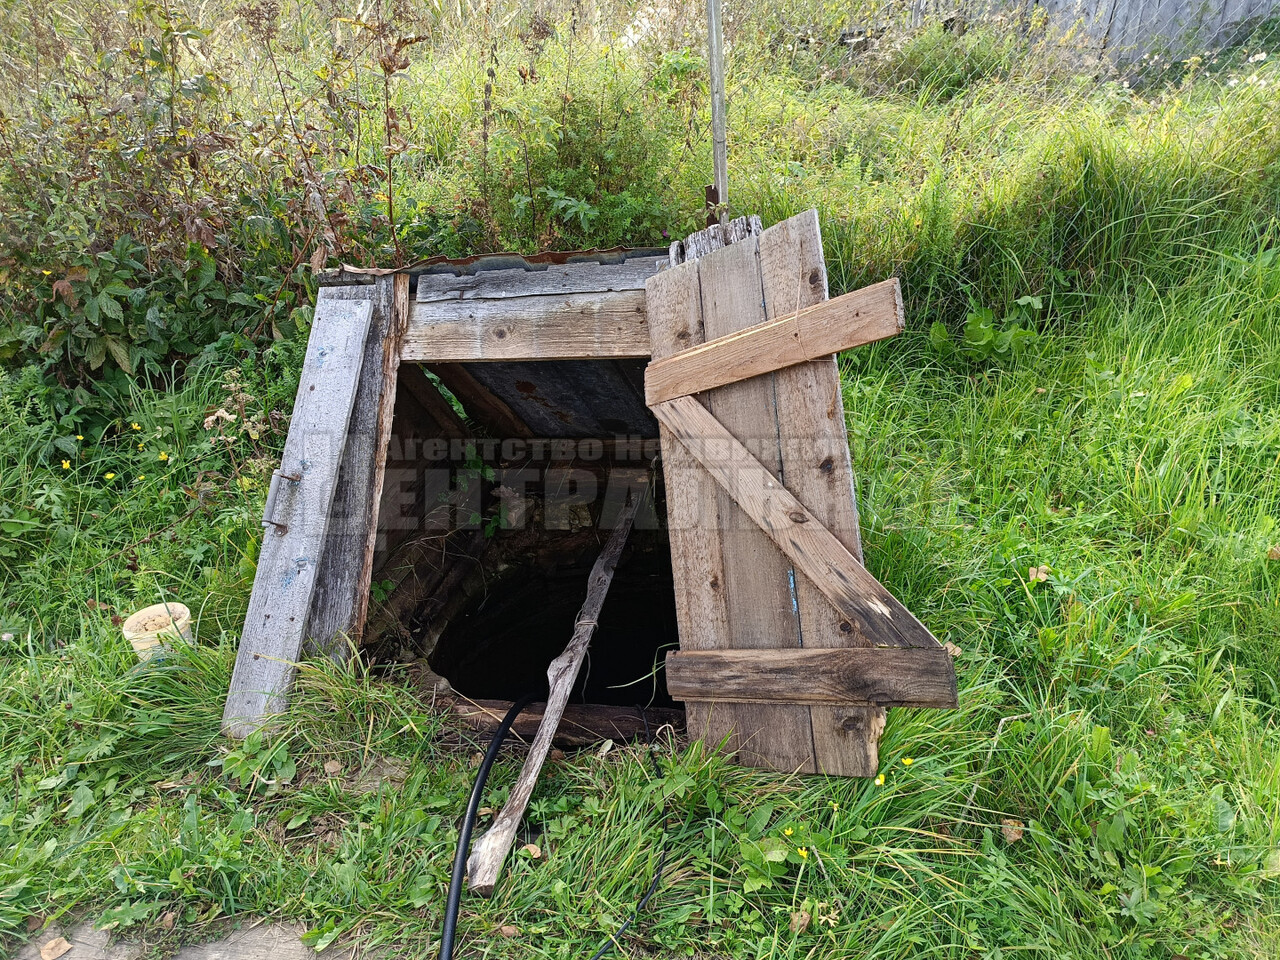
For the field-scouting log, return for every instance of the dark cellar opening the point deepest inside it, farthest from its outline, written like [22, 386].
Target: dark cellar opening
[500, 645]
[503, 483]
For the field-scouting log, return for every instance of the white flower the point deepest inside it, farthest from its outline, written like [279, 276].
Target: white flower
[1258, 57]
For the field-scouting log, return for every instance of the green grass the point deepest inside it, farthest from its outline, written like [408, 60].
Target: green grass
[1122, 710]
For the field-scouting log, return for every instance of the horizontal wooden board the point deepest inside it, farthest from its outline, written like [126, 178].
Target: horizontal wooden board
[867, 606]
[565, 327]
[555, 280]
[863, 316]
[884, 677]
[581, 725]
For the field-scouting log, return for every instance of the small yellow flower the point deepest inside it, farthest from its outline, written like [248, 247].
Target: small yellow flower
[109, 476]
[141, 445]
[787, 832]
[142, 476]
[46, 272]
[907, 761]
[79, 436]
[163, 456]
[66, 464]
[880, 780]
[835, 806]
[134, 426]
[804, 853]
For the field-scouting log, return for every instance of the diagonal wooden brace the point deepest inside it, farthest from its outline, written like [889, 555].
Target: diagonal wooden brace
[870, 609]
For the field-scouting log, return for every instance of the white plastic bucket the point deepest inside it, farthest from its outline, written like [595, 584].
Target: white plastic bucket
[152, 628]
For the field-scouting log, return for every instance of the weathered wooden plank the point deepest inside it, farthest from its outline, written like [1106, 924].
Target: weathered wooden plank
[867, 606]
[883, 676]
[491, 850]
[818, 471]
[554, 280]
[568, 327]
[581, 725]
[816, 332]
[693, 522]
[292, 552]
[757, 578]
[432, 401]
[479, 401]
[713, 238]
[338, 609]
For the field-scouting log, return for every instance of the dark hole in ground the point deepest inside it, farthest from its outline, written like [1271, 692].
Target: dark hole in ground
[500, 646]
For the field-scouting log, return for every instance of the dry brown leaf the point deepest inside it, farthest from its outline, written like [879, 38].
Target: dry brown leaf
[485, 812]
[507, 930]
[167, 919]
[201, 230]
[332, 767]
[319, 258]
[35, 922]
[62, 288]
[1012, 829]
[533, 850]
[1274, 552]
[557, 754]
[54, 948]
[800, 921]
[952, 649]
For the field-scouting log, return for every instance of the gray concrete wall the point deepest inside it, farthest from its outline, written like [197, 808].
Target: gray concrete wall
[1126, 28]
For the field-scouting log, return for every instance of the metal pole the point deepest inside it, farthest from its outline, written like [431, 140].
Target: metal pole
[719, 146]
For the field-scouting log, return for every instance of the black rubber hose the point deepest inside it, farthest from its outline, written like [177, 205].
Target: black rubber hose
[469, 822]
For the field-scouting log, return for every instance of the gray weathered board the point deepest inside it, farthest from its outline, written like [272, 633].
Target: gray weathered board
[565, 311]
[343, 581]
[736, 589]
[276, 624]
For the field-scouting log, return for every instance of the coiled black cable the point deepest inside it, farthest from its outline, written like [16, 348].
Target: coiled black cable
[468, 824]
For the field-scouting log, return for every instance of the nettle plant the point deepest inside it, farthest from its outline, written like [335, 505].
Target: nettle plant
[109, 305]
[987, 337]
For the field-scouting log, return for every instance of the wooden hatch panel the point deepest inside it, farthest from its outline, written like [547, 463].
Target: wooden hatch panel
[762, 512]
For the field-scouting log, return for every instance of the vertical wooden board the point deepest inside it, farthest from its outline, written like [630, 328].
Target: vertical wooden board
[291, 555]
[693, 523]
[341, 597]
[758, 579]
[816, 468]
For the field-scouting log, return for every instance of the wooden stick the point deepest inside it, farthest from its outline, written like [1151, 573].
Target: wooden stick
[491, 850]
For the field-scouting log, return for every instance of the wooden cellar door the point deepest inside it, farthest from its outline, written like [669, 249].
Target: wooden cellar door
[790, 650]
